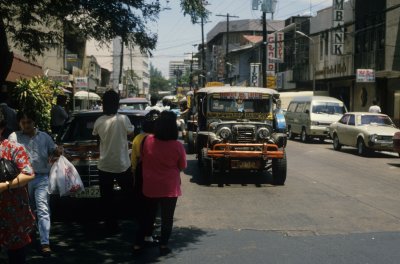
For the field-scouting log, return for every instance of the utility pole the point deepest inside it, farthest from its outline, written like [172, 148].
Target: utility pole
[121, 63]
[264, 51]
[203, 55]
[227, 45]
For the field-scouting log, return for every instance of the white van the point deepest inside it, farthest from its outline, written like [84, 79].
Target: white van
[311, 116]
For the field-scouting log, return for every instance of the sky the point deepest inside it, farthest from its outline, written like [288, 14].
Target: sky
[177, 35]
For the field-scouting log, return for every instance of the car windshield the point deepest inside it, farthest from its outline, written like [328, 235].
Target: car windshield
[328, 108]
[80, 128]
[245, 105]
[375, 120]
[133, 106]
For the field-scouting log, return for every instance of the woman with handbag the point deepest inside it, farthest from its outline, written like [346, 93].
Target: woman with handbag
[40, 147]
[136, 158]
[164, 157]
[16, 218]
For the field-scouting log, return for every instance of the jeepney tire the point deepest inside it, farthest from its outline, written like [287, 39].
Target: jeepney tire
[303, 136]
[207, 172]
[190, 143]
[290, 133]
[279, 171]
[336, 143]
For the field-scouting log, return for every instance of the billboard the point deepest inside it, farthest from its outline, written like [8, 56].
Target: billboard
[255, 74]
[275, 49]
[365, 76]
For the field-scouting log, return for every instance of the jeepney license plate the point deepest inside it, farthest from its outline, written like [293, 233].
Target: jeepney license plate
[245, 164]
[89, 192]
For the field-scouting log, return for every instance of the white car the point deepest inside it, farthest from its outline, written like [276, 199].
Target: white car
[365, 131]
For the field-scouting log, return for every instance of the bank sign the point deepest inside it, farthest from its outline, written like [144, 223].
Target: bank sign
[338, 27]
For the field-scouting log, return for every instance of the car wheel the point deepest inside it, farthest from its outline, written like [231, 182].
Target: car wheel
[303, 135]
[290, 133]
[190, 143]
[279, 170]
[361, 148]
[336, 144]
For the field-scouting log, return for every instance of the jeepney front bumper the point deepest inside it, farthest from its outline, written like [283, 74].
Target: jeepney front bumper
[246, 151]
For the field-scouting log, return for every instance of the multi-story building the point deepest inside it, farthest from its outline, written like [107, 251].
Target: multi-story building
[176, 67]
[235, 64]
[135, 75]
[377, 47]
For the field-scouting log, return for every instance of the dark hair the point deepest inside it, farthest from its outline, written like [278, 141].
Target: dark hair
[153, 100]
[150, 120]
[166, 102]
[374, 102]
[61, 99]
[3, 97]
[26, 114]
[165, 127]
[110, 102]
[3, 118]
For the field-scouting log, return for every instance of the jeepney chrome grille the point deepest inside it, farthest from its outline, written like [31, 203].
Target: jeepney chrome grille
[244, 134]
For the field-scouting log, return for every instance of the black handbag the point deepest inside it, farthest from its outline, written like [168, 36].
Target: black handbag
[8, 170]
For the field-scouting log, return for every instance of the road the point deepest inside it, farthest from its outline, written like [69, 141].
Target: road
[336, 207]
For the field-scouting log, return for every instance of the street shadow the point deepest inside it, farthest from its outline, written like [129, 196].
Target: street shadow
[312, 141]
[244, 178]
[394, 164]
[78, 243]
[373, 154]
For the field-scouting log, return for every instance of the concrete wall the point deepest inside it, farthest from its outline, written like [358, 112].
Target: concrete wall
[392, 59]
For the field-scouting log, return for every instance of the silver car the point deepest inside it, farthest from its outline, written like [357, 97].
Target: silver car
[365, 131]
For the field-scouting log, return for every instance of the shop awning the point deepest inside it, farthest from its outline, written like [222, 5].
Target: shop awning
[21, 68]
[86, 95]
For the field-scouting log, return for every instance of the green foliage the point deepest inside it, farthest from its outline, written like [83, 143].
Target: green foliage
[35, 26]
[157, 81]
[38, 95]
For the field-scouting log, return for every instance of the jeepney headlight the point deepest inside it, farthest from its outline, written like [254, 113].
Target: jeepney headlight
[373, 138]
[263, 132]
[213, 126]
[225, 132]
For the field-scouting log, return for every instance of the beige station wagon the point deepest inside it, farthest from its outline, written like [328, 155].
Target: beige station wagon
[365, 131]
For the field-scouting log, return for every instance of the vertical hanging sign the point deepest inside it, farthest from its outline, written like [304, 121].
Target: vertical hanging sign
[338, 27]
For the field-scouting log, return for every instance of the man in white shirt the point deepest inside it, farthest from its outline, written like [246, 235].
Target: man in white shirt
[154, 106]
[374, 108]
[114, 162]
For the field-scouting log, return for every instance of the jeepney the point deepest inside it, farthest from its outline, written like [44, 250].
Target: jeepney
[237, 130]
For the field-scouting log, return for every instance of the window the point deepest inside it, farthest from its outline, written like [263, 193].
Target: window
[292, 107]
[352, 121]
[344, 119]
[326, 43]
[328, 108]
[321, 46]
[300, 108]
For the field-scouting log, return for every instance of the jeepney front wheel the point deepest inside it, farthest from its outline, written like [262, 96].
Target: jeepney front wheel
[190, 143]
[279, 170]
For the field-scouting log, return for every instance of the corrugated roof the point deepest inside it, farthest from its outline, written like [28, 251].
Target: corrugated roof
[244, 25]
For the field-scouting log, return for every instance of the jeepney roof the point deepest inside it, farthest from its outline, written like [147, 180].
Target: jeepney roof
[236, 89]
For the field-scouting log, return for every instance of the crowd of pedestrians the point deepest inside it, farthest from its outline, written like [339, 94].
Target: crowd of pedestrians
[153, 172]
[151, 186]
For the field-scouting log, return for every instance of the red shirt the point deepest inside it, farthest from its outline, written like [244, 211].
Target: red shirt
[162, 162]
[16, 218]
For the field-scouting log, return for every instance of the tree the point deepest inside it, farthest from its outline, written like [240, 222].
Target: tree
[36, 26]
[157, 81]
[38, 95]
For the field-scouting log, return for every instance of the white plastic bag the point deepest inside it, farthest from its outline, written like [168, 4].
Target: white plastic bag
[65, 177]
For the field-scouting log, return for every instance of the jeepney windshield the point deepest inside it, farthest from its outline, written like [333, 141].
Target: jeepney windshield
[241, 103]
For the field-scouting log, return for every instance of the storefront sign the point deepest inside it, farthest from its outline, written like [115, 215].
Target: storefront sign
[63, 78]
[275, 50]
[338, 27]
[255, 74]
[365, 75]
[337, 70]
[81, 83]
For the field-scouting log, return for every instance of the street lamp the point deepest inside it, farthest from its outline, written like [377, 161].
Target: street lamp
[313, 60]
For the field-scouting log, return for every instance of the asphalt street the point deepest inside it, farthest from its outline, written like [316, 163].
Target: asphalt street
[336, 207]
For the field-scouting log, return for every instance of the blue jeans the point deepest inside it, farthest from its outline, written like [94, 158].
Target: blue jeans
[39, 200]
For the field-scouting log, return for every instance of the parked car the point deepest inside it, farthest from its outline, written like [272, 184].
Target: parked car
[237, 131]
[133, 103]
[81, 147]
[310, 116]
[396, 142]
[365, 131]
